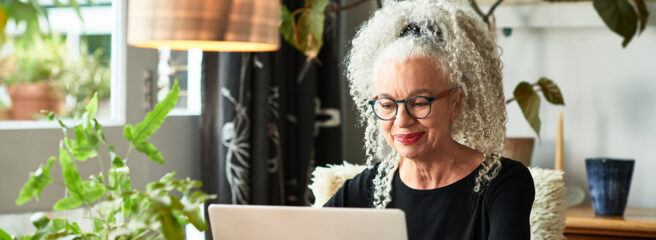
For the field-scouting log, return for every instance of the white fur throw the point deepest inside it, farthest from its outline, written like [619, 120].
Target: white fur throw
[547, 214]
[327, 180]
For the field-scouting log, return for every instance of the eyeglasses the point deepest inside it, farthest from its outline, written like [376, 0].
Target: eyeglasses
[417, 107]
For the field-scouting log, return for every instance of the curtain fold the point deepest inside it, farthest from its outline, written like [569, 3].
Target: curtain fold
[268, 119]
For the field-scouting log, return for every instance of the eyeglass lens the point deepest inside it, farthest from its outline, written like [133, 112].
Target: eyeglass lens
[417, 106]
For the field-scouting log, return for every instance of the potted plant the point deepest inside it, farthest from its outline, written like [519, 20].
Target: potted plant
[31, 73]
[82, 76]
[526, 96]
[115, 209]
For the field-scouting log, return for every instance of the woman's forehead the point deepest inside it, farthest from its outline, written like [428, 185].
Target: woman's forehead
[413, 75]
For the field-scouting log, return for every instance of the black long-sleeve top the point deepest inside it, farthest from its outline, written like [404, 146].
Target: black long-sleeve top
[500, 211]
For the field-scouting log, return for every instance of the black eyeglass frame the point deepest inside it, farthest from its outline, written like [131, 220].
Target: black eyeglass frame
[405, 104]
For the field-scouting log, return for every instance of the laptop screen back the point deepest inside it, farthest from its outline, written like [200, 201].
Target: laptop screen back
[247, 222]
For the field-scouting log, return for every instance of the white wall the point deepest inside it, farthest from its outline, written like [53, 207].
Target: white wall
[21, 151]
[609, 91]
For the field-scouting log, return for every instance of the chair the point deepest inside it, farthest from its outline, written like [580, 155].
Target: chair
[547, 214]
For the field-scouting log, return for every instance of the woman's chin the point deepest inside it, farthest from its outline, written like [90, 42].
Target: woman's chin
[408, 151]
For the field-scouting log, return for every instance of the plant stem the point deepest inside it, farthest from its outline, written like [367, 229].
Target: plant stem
[102, 169]
[347, 6]
[59, 183]
[300, 10]
[128, 153]
[477, 9]
[489, 13]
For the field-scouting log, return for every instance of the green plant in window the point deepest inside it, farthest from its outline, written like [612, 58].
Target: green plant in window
[84, 75]
[29, 12]
[37, 60]
[116, 210]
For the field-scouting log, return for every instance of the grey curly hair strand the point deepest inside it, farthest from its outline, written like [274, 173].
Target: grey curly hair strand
[454, 36]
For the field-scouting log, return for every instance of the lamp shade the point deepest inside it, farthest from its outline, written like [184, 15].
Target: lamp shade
[211, 25]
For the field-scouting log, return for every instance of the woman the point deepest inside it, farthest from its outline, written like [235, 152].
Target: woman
[426, 78]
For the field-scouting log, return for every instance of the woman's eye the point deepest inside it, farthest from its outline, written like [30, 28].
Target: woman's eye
[387, 106]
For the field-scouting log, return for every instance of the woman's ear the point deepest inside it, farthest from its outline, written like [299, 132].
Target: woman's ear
[455, 100]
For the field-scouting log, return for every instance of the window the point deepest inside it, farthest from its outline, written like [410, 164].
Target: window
[86, 61]
[185, 66]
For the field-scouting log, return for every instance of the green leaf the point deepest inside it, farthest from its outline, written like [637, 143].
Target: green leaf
[310, 28]
[199, 197]
[4, 235]
[128, 132]
[74, 228]
[94, 189]
[67, 203]
[529, 102]
[643, 14]
[39, 220]
[98, 224]
[551, 91]
[85, 145]
[117, 162]
[619, 16]
[155, 118]
[150, 150]
[71, 175]
[192, 210]
[171, 228]
[99, 132]
[287, 26]
[196, 219]
[34, 186]
[92, 107]
[119, 179]
[59, 224]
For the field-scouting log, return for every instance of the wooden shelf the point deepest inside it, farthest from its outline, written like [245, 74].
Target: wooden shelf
[582, 223]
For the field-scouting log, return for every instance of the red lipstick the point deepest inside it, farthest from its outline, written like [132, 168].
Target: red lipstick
[409, 138]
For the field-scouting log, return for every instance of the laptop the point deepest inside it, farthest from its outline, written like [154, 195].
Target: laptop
[248, 222]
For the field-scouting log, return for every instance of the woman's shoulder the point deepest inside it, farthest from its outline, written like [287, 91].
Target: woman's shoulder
[513, 169]
[356, 192]
[364, 179]
[512, 179]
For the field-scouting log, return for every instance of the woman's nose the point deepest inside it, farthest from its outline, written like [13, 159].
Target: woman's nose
[403, 119]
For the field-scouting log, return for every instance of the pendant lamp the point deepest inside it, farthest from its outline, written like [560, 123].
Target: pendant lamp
[211, 25]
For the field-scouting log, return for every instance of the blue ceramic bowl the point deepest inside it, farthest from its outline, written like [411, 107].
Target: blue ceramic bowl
[609, 180]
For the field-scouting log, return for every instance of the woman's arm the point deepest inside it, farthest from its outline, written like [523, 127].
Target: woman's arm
[510, 206]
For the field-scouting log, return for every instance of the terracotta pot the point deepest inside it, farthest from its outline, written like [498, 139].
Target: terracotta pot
[5, 114]
[520, 149]
[28, 99]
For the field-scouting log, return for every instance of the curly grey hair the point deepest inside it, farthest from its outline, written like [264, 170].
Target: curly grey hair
[452, 35]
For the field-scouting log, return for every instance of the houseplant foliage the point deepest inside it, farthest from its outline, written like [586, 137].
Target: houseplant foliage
[526, 95]
[29, 12]
[116, 210]
[83, 75]
[31, 74]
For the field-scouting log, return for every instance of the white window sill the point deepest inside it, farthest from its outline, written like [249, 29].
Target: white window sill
[26, 125]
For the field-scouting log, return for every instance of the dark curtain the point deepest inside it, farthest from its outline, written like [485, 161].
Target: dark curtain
[268, 119]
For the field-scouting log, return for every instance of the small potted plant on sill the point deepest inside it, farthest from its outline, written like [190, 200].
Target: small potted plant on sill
[115, 210]
[31, 73]
[526, 96]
